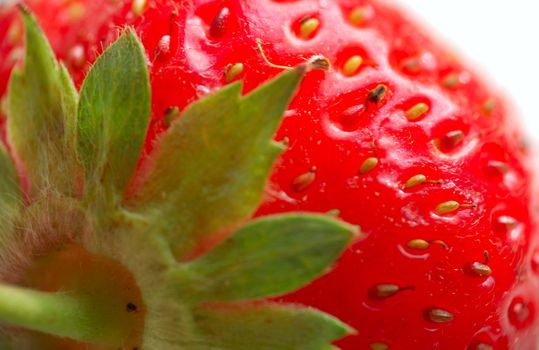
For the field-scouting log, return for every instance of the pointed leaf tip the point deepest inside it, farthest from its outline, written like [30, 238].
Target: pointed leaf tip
[40, 103]
[25, 11]
[113, 115]
[268, 257]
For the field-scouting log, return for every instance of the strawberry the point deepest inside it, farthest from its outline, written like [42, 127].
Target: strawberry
[400, 138]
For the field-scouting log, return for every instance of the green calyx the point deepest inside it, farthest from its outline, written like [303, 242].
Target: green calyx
[83, 266]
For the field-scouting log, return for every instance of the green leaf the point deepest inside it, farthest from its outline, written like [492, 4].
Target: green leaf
[113, 116]
[42, 102]
[70, 100]
[267, 327]
[11, 203]
[10, 193]
[268, 257]
[211, 167]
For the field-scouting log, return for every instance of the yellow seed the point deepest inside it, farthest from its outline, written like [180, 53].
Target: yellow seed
[378, 346]
[357, 15]
[439, 316]
[415, 181]
[232, 71]
[480, 269]
[352, 65]
[489, 106]
[449, 141]
[76, 10]
[383, 291]
[417, 111]
[499, 167]
[368, 165]
[447, 207]
[333, 212]
[138, 7]
[440, 243]
[411, 65]
[302, 182]
[308, 26]
[455, 136]
[419, 244]
[483, 346]
[14, 33]
[451, 80]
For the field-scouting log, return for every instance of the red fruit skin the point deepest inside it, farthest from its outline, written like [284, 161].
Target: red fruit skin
[332, 126]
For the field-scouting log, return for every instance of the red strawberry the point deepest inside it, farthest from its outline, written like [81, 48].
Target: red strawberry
[399, 138]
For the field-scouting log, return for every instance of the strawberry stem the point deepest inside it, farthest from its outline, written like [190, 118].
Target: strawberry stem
[68, 315]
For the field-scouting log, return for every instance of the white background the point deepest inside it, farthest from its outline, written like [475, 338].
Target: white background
[500, 38]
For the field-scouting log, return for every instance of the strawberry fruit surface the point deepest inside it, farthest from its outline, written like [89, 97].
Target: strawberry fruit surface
[399, 138]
